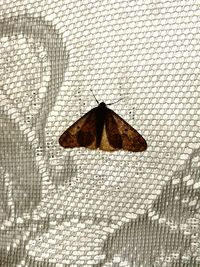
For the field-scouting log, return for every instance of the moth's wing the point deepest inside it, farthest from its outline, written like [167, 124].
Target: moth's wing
[118, 134]
[82, 133]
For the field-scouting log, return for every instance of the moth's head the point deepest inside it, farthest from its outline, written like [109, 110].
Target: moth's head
[102, 105]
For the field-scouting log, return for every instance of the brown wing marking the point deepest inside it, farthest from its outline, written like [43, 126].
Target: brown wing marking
[111, 139]
[118, 134]
[82, 133]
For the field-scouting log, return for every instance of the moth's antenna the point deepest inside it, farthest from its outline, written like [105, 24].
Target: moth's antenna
[94, 96]
[115, 102]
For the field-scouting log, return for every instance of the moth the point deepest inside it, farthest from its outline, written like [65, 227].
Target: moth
[102, 128]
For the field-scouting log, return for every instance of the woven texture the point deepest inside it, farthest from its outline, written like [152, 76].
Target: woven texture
[80, 207]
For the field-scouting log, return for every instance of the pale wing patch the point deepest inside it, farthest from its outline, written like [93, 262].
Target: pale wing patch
[105, 145]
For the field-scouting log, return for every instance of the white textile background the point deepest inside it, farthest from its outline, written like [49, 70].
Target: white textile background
[79, 207]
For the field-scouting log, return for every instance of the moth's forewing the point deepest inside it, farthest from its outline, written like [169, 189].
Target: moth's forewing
[118, 134]
[82, 133]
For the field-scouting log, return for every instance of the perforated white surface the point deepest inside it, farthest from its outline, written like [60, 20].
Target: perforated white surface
[79, 207]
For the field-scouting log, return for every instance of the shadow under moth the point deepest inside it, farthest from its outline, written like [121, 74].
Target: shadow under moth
[102, 128]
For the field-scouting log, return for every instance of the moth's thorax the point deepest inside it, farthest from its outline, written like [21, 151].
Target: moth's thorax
[101, 112]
